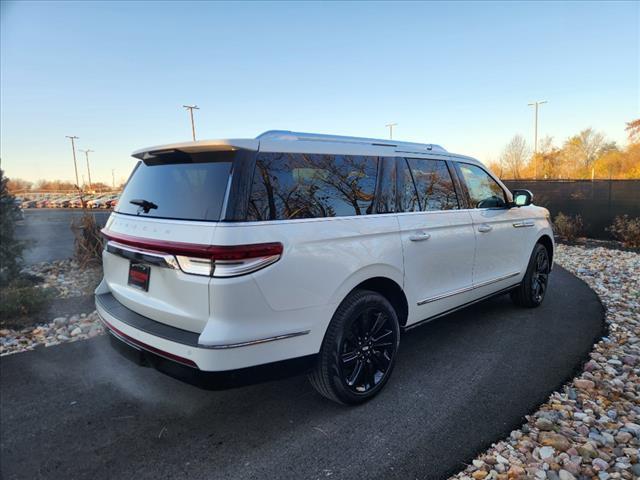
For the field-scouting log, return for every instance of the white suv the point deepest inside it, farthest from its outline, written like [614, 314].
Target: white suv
[228, 254]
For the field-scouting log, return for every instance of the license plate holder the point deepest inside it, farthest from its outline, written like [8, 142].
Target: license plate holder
[139, 275]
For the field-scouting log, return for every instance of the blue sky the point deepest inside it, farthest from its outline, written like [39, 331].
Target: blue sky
[458, 74]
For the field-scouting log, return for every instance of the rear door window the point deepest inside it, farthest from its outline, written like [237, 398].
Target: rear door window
[295, 185]
[178, 186]
[432, 187]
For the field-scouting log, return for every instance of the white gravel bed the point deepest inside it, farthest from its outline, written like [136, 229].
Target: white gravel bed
[591, 428]
[60, 330]
[65, 277]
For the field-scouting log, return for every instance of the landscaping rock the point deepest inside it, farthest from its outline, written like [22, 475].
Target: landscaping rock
[590, 429]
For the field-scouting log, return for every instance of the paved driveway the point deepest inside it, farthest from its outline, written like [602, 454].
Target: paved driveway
[82, 411]
[48, 234]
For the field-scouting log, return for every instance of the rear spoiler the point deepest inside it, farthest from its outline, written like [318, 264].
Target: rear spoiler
[196, 147]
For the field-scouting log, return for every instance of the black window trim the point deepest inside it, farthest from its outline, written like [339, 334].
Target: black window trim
[385, 164]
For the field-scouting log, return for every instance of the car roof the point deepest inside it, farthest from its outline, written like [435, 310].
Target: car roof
[302, 142]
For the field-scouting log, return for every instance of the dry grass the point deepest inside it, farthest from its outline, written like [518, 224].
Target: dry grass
[88, 240]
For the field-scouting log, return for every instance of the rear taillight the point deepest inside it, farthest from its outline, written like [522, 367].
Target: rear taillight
[208, 260]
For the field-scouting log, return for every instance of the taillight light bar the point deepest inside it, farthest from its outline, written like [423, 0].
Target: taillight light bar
[208, 260]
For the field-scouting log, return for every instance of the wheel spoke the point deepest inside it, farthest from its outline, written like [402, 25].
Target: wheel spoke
[353, 378]
[385, 334]
[381, 361]
[370, 375]
[349, 357]
[379, 322]
[545, 265]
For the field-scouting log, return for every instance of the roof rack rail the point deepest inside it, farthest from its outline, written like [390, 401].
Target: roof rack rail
[287, 135]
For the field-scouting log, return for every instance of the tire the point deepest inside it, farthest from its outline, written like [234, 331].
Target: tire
[533, 287]
[351, 373]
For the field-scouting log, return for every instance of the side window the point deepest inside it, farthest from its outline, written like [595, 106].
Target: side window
[294, 185]
[434, 184]
[484, 191]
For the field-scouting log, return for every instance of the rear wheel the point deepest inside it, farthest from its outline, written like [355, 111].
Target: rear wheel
[533, 288]
[359, 349]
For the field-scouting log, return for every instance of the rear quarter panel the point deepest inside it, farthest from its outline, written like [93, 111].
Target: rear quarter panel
[323, 259]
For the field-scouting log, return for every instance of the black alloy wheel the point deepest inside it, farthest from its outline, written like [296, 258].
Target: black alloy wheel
[359, 349]
[367, 350]
[540, 276]
[531, 291]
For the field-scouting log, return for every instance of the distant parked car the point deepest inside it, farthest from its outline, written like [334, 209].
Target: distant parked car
[98, 202]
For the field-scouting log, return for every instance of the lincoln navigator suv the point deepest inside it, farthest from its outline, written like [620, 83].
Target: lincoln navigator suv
[228, 254]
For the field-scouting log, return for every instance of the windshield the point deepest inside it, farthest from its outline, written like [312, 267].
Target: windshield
[178, 186]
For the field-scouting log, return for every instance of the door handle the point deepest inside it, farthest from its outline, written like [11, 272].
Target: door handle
[484, 228]
[419, 237]
[525, 223]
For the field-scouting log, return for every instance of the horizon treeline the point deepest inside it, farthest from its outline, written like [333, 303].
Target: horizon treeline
[584, 156]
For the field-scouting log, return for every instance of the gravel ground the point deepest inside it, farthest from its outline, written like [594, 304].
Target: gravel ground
[68, 282]
[65, 277]
[591, 428]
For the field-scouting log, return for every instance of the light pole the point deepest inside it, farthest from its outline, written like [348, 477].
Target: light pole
[390, 126]
[191, 108]
[73, 138]
[113, 178]
[536, 104]
[535, 134]
[86, 153]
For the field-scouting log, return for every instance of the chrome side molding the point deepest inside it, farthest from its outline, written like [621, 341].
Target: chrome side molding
[526, 223]
[468, 289]
[254, 342]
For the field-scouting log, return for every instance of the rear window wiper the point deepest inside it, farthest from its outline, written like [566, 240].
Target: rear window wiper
[145, 205]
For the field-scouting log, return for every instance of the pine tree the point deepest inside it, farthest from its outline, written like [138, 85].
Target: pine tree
[10, 247]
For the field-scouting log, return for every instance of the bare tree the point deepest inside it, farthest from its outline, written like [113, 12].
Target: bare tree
[515, 156]
[588, 145]
[633, 127]
[546, 145]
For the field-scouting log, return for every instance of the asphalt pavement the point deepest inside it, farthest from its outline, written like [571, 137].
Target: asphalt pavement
[47, 232]
[81, 410]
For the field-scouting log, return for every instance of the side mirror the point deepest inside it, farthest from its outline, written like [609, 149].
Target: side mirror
[522, 198]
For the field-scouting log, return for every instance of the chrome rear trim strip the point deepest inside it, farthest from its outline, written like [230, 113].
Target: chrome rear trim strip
[141, 255]
[254, 342]
[468, 289]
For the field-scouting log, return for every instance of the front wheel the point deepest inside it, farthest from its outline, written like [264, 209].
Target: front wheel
[533, 288]
[359, 349]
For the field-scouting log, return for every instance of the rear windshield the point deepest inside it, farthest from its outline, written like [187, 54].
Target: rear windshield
[178, 186]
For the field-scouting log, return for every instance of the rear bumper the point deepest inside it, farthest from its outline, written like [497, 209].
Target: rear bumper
[182, 346]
